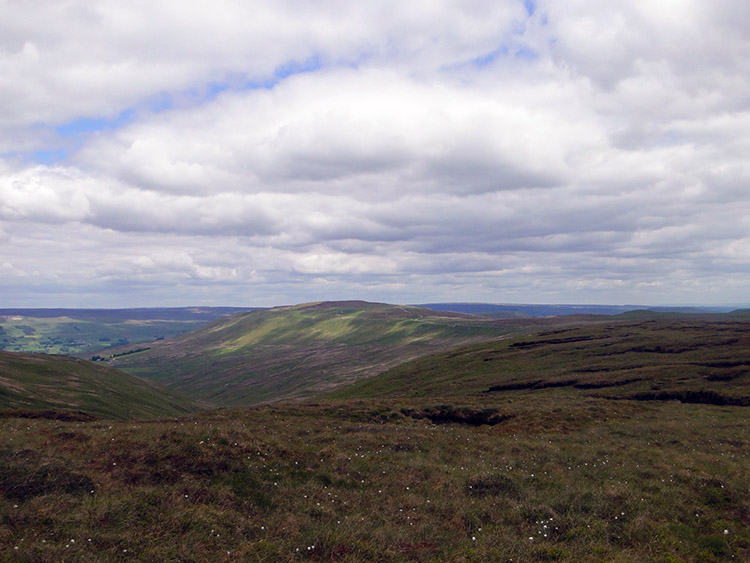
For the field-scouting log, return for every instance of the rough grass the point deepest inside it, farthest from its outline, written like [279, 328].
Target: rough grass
[687, 358]
[560, 479]
[41, 382]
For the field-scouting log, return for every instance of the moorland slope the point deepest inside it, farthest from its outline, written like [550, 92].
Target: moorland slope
[299, 351]
[639, 356]
[44, 382]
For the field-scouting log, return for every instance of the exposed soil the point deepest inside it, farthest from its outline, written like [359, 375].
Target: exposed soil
[447, 414]
[68, 416]
[697, 397]
[525, 344]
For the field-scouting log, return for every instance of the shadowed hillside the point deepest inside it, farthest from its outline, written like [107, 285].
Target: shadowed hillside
[289, 352]
[642, 356]
[34, 382]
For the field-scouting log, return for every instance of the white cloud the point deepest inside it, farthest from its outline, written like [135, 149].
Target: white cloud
[66, 60]
[41, 194]
[392, 151]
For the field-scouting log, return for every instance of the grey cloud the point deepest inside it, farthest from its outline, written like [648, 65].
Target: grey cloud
[316, 134]
[609, 166]
[153, 213]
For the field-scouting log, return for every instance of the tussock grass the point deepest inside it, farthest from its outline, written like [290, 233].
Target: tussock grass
[562, 479]
[606, 441]
[690, 359]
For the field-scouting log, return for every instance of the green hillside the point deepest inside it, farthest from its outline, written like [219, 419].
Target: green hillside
[36, 382]
[290, 352]
[642, 357]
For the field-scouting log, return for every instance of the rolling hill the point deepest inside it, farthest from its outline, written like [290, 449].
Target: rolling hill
[640, 356]
[292, 352]
[590, 439]
[519, 310]
[43, 382]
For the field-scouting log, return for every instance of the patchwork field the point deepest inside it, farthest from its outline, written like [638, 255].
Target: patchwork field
[79, 332]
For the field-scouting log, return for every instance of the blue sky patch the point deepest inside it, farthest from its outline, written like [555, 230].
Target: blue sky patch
[519, 53]
[70, 136]
[216, 88]
[285, 71]
[525, 53]
[84, 125]
[484, 60]
[161, 102]
[49, 157]
[310, 65]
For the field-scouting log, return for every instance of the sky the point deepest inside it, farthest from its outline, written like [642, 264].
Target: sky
[244, 153]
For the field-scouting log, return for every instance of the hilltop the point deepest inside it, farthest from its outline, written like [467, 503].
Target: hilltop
[519, 310]
[298, 351]
[43, 382]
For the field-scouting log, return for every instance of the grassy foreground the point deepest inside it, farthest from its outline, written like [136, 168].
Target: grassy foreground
[557, 478]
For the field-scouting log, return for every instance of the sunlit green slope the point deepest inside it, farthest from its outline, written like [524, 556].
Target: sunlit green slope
[289, 352]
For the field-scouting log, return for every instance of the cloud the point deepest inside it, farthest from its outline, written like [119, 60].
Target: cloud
[43, 194]
[396, 151]
[121, 56]
[320, 129]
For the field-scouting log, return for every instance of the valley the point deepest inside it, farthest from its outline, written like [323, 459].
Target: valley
[300, 351]
[354, 431]
[79, 332]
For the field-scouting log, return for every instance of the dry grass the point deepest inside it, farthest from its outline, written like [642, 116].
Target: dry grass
[561, 479]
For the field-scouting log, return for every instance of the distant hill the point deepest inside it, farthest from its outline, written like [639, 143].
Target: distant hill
[81, 331]
[521, 310]
[34, 382]
[205, 314]
[680, 358]
[289, 352]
